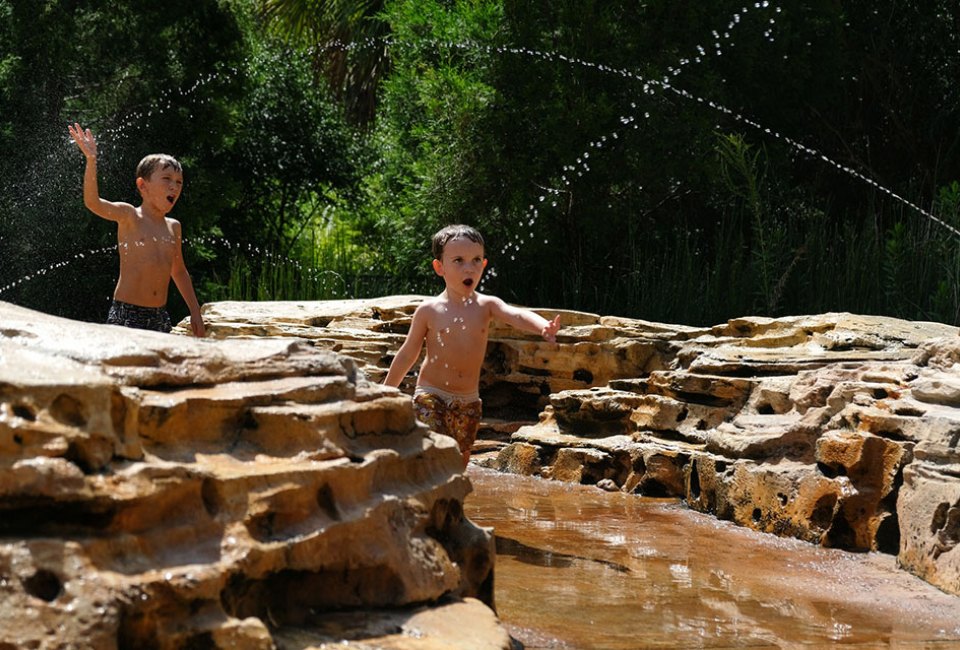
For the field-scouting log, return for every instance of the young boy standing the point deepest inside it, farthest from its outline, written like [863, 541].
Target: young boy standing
[148, 240]
[455, 326]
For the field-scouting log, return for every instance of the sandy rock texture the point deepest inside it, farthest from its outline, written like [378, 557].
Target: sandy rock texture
[160, 491]
[836, 428]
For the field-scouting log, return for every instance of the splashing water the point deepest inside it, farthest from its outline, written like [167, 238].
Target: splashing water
[665, 84]
[310, 274]
[551, 197]
[721, 39]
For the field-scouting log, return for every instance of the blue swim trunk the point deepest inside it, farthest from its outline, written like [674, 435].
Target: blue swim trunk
[137, 317]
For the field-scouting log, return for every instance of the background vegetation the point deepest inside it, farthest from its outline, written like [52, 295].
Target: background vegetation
[677, 162]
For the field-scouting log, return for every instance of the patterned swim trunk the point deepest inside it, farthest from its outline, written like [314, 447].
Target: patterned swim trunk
[452, 415]
[137, 317]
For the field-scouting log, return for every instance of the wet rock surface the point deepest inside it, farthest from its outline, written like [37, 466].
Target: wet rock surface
[838, 429]
[160, 491]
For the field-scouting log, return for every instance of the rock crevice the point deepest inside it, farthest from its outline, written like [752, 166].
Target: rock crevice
[159, 491]
[838, 429]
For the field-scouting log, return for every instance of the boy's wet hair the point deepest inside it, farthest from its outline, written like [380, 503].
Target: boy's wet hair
[456, 231]
[157, 161]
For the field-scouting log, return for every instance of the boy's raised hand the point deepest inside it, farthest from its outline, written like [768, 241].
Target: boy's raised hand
[549, 331]
[84, 140]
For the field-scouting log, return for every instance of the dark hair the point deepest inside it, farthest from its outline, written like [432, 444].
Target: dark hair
[456, 231]
[156, 161]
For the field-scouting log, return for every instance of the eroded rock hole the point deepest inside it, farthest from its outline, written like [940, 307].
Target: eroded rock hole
[289, 597]
[44, 585]
[822, 513]
[328, 502]
[262, 526]
[939, 517]
[24, 412]
[210, 496]
[69, 411]
[831, 471]
[888, 535]
[654, 488]
[581, 374]
[841, 534]
[694, 490]
[249, 421]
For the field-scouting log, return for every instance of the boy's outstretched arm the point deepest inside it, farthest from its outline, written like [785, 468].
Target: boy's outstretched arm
[409, 352]
[181, 278]
[91, 192]
[525, 319]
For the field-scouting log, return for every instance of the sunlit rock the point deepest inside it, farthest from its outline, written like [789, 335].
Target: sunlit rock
[831, 428]
[160, 491]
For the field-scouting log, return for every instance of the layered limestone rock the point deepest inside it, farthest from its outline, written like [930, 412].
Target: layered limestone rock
[521, 370]
[838, 429]
[161, 491]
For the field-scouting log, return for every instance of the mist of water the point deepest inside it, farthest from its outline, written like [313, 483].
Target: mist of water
[552, 193]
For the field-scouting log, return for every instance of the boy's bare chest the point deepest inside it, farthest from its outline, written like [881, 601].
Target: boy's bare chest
[147, 241]
[461, 329]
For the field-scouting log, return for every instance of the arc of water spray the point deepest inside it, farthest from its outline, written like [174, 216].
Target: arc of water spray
[581, 166]
[56, 266]
[666, 85]
[312, 274]
[532, 213]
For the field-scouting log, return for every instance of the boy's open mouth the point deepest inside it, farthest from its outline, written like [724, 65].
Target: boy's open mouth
[468, 282]
[171, 199]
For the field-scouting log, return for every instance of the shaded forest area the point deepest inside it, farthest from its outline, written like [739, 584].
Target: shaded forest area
[673, 161]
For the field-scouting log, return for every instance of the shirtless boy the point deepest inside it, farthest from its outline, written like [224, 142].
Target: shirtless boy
[455, 325]
[148, 240]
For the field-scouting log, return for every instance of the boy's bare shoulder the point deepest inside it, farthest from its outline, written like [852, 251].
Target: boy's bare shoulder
[487, 301]
[434, 304]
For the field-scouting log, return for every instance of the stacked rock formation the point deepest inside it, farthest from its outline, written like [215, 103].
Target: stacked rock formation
[838, 429]
[160, 491]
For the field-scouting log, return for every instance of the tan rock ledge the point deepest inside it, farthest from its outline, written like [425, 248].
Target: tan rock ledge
[159, 491]
[836, 428]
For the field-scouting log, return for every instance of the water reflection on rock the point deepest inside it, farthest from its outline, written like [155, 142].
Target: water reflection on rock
[581, 568]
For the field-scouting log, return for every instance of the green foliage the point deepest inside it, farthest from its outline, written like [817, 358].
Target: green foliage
[65, 62]
[600, 188]
[429, 130]
[682, 162]
[268, 158]
[332, 29]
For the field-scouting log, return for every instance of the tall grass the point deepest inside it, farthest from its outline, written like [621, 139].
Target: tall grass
[909, 270]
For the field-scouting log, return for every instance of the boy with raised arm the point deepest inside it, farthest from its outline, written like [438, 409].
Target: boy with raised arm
[455, 325]
[148, 240]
